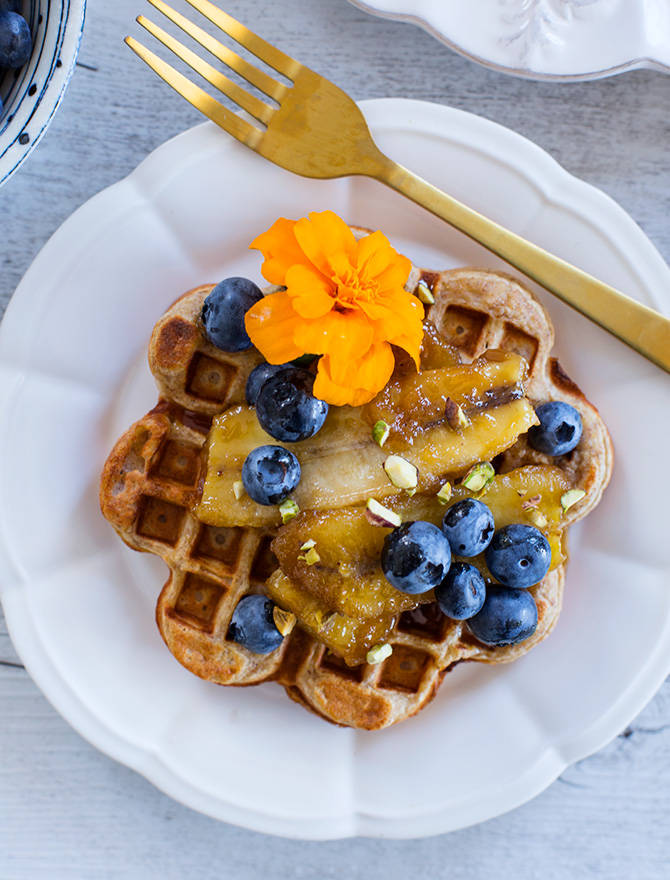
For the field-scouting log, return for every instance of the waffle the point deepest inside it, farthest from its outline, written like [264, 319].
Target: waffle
[151, 481]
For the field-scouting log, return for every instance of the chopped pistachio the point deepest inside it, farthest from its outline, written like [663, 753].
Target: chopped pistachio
[378, 515]
[531, 502]
[479, 476]
[284, 620]
[444, 494]
[410, 492]
[379, 653]
[311, 557]
[310, 542]
[401, 473]
[572, 496]
[424, 293]
[288, 510]
[538, 519]
[323, 618]
[238, 489]
[380, 432]
[455, 416]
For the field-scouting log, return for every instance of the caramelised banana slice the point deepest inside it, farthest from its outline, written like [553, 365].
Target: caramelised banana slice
[343, 569]
[342, 465]
[348, 637]
[330, 574]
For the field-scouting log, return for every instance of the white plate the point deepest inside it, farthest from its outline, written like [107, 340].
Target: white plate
[544, 39]
[80, 605]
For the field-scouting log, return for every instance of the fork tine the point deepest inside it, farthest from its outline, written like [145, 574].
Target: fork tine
[240, 96]
[252, 74]
[224, 118]
[286, 65]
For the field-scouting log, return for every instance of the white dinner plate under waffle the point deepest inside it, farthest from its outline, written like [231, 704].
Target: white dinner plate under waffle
[80, 605]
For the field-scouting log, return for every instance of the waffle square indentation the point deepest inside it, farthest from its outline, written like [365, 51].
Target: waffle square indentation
[404, 669]
[209, 379]
[219, 543]
[463, 327]
[517, 341]
[199, 601]
[160, 520]
[425, 621]
[335, 665]
[179, 462]
[265, 562]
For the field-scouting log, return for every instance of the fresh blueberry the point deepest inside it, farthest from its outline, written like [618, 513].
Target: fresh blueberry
[15, 41]
[223, 313]
[461, 594]
[253, 626]
[270, 474]
[560, 428]
[286, 408]
[415, 557]
[518, 556]
[507, 616]
[468, 526]
[257, 377]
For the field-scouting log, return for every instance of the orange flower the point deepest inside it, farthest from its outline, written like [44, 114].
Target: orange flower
[344, 300]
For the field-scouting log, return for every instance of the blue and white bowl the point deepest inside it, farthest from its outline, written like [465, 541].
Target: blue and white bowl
[32, 93]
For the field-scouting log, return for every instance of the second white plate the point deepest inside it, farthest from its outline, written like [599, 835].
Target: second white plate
[544, 39]
[80, 605]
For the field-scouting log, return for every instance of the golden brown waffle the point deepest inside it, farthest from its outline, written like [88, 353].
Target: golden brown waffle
[151, 481]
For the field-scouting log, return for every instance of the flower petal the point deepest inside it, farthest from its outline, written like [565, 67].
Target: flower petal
[322, 235]
[310, 292]
[378, 259]
[271, 325]
[280, 250]
[395, 313]
[411, 344]
[357, 381]
[344, 335]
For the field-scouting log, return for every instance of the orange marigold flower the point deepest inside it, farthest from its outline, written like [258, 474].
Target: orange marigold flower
[344, 300]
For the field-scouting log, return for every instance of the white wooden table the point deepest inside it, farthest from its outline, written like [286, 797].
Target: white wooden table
[67, 811]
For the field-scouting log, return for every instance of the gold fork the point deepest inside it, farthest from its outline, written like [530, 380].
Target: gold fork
[312, 128]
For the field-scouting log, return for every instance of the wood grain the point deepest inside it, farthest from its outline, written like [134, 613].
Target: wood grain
[67, 811]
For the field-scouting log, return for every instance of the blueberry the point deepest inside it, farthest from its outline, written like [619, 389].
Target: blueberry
[518, 556]
[257, 377]
[415, 557]
[253, 626]
[15, 41]
[560, 428]
[286, 408]
[270, 474]
[223, 313]
[468, 526]
[507, 616]
[461, 594]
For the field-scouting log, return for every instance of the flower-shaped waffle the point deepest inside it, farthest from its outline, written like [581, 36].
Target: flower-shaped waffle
[152, 481]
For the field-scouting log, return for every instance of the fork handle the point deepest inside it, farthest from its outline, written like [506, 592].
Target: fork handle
[640, 327]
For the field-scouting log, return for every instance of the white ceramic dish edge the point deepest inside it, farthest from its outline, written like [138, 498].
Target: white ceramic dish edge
[435, 21]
